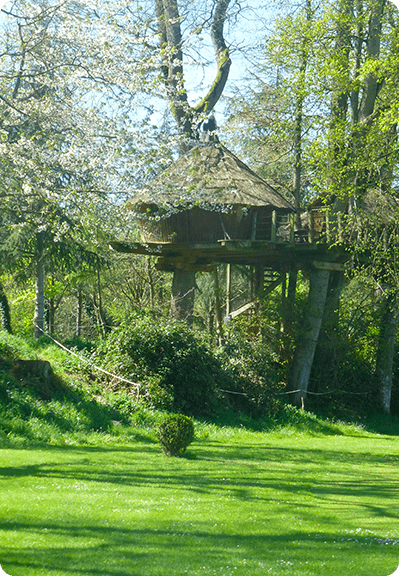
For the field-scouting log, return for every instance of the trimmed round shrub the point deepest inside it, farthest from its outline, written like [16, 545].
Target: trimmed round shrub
[175, 433]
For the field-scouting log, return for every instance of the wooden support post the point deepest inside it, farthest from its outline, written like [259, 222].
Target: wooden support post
[292, 228]
[251, 282]
[311, 227]
[259, 280]
[183, 290]
[218, 309]
[287, 314]
[283, 313]
[274, 226]
[328, 234]
[228, 288]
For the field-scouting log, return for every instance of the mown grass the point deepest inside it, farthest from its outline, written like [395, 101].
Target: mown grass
[86, 490]
[240, 503]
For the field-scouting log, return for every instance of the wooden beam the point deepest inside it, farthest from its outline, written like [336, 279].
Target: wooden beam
[332, 266]
[311, 226]
[328, 233]
[272, 286]
[242, 309]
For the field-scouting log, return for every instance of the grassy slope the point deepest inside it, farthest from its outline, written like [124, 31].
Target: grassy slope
[80, 411]
[310, 498]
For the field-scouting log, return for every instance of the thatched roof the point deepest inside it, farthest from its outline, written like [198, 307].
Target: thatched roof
[210, 174]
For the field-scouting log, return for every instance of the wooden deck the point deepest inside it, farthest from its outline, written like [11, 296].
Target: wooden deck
[274, 255]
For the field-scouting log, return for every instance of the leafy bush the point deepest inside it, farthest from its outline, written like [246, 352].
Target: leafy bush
[179, 373]
[80, 343]
[253, 386]
[176, 371]
[175, 434]
[343, 378]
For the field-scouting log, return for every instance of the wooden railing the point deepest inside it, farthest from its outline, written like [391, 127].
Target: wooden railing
[320, 228]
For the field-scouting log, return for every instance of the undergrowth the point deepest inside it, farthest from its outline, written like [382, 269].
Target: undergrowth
[83, 411]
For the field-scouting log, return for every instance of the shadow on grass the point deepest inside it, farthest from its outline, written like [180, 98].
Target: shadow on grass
[113, 551]
[248, 472]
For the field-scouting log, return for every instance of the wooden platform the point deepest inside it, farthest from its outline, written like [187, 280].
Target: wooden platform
[273, 255]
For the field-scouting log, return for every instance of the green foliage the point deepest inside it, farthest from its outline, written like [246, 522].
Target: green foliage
[13, 347]
[34, 410]
[343, 375]
[176, 370]
[24, 413]
[291, 418]
[175, 434]
[80, 343]
[252, 372]
[343, 369]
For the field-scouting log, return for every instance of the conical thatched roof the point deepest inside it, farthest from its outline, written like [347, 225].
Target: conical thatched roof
[210, 174]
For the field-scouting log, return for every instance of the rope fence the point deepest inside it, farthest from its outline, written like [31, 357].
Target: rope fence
[138, 386]
[85, 360]
[303, 392]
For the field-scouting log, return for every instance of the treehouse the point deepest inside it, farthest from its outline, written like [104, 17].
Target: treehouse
[210, 208]
[209, 195]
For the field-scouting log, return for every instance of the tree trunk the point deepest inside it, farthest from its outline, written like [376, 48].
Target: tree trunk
[304, 353]
[339, 110]
[39, 300]
[51, 315]
[101, 319]
[287, 315]
[372, 83]
[218, 309]
[183, 290]
[386, 349]
[5, 318]
[79, 312]
[170, 38]
[298, 120]
[331, 312]
[288, 302]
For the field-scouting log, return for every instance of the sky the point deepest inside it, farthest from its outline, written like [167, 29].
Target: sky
[253, 23]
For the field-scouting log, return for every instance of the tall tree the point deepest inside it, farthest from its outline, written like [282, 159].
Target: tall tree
[189, 117]
[60, 157]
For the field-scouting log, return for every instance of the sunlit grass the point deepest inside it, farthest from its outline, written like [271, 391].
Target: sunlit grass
[241, 502]
[86, 490]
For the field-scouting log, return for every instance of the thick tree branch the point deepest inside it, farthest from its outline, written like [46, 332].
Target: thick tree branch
[222, 58]
[372, 85]
[170, 38]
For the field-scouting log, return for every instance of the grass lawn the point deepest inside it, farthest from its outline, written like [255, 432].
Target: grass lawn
[239, 503]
